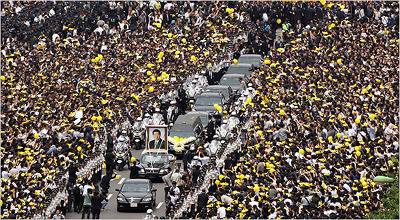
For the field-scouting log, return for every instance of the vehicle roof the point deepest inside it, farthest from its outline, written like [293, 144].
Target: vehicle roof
[241, 65]
[155, 151]
[136, 181]
[216, 87]
[187, 119]
[251, 55]
[210, 94]
[198, 113]
[233, 75]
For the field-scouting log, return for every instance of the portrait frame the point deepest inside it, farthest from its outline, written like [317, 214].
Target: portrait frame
[164, 137]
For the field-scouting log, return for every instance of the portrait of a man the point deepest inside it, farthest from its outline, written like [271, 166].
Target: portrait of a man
[157, 138]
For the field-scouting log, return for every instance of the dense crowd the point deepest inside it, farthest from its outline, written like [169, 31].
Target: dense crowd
[324, 123]
[109, 62]
[324, 117]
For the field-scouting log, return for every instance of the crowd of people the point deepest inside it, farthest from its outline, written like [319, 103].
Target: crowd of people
[70, 68]
[324, 117]
[323, 123]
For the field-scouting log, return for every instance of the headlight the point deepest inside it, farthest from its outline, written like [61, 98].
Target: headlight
[142, 170]
[165, 170]
[147, 199]
[120, 199]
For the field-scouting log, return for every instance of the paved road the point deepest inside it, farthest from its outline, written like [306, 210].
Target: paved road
[110, 211]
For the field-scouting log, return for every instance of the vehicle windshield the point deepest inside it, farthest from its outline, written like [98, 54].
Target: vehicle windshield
[227, 81]
[136, 187]
[208, 101]
[217, 90]
[154, 158]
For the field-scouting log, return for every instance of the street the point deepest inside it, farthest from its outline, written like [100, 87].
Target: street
[110, 211]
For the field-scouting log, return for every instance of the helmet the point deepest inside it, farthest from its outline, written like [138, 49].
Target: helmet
[196, 76]
[147, 115]
[139, 119]
[250, 84]
[215, 136]
[157, 110]
[194, 81]
[233, 114]
[149, 211]
[173, 102]
[225, 121]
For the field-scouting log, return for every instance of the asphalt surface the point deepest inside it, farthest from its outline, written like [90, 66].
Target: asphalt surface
[110, 211]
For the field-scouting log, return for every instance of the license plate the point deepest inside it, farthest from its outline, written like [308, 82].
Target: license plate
[133, 205]
[119, 161]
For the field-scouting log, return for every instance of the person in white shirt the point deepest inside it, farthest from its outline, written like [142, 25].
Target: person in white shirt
[221, 212]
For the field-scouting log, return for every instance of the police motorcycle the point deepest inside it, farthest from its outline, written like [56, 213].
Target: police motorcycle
[122, 151]
[138, 134]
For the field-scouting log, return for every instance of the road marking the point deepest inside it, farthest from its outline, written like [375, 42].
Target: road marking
[121, 181]
[159, 205]
[109, 196]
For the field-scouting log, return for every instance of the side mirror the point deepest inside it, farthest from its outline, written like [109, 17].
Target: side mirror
[117, 190]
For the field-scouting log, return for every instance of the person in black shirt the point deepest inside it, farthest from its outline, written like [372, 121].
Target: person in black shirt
[202, 200]
[134, 171]
[96, 205]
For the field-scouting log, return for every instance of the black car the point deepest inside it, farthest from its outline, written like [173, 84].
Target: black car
[136, 193]
[155, 164]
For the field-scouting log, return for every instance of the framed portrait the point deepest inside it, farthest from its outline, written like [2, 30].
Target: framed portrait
[157, 137]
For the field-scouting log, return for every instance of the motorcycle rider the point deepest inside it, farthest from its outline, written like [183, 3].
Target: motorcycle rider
[172, 112]
[203, 82]
[147, 120]
[158, 118]
[193, 89]
[233, 121]
[213, 146]
[223, 130]
[138, 132]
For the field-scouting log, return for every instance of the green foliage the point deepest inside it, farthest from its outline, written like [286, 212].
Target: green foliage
[390, 203]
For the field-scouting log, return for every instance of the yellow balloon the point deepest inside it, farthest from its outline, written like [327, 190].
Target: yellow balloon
[372, 116]
[149, 73]
[338, 135]
[79, 148]
[36, 136]
[235, 61]
[2, 78]
[330, 139]
[339, 61]
[301, 151]
[278, 21]
[267, 61]
[358, 120]
[151, 89]
[281, 112]
[358, 153]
